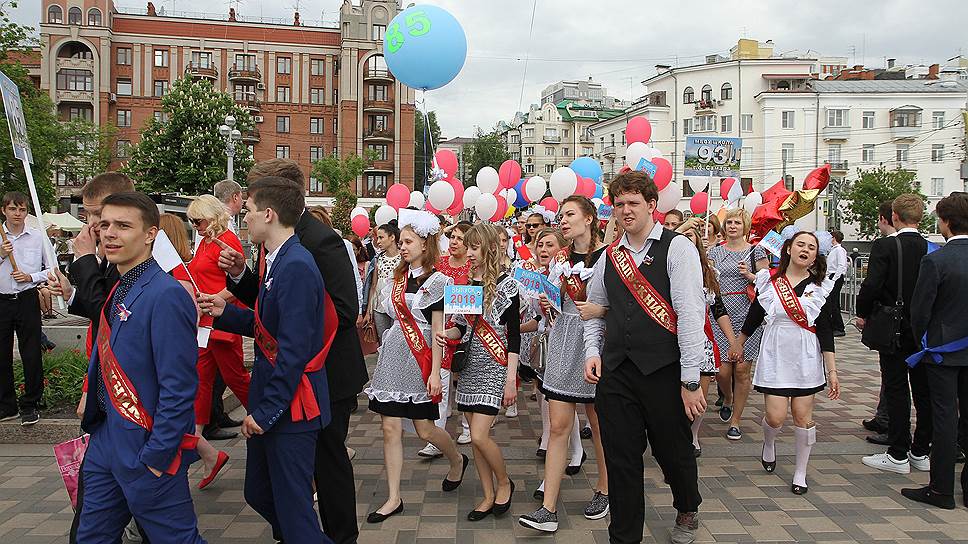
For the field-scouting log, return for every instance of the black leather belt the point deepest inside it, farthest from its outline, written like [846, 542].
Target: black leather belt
[15, 296]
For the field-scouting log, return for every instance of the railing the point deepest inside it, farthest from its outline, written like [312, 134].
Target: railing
[609, 150]
[378, 133]
[856, 272]
[160, 12]
[251, 135]
[75, 63]
[836, 133]
[245, 72]
[905, 132]
[838, 166]
[705, 105]
[201, 71]
[551, 139]
[377, 74]
[253, 104]
[74, 96]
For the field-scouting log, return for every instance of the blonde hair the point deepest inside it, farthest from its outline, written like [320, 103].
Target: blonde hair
[487, 237]
[741, 214]
[551, 231]
[174, 227]
[209, 208]
[909, 208]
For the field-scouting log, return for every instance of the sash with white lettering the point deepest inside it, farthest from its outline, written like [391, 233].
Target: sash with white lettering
[708, 329]
[411, 331]
[522, 249]
[648, 298]
[491, 341]
[573, 284]
[791, 302]
[121, 392]
[304, 405]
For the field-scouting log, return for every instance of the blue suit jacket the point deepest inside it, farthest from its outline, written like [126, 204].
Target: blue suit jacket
[291, 309]
[157, 349]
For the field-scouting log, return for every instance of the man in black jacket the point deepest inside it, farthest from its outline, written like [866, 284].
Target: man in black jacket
[345, 369]
[939, 325]
[881, 288]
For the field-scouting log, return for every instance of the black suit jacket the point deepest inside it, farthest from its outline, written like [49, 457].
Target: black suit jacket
[92, 282]
[345, 369]
[940, 299]
[880, 285]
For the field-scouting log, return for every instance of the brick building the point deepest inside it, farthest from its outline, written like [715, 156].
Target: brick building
[314, 88]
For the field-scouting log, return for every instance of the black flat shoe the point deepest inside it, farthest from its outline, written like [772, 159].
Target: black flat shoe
[538, 495]
[879, 439]
[448, 485]
[572, 470]
[770, 466]
[376, 517]
[798, 489]
[502, 508]
[925, 495]
[478, 515]
[541, 454]
[697, 452]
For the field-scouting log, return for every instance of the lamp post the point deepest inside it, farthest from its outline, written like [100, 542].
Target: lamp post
[231, 135]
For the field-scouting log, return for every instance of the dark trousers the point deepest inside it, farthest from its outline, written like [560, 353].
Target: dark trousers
[218, 389]
[880, 414]
[335, 486]
[836, 318]
[21, 315]
[949, 400]
[634, 410]
[895, 376]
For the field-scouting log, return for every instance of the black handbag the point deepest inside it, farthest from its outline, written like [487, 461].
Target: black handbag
[882, 329]
[463, 351]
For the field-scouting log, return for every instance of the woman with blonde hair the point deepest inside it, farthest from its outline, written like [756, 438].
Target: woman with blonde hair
[210, 219]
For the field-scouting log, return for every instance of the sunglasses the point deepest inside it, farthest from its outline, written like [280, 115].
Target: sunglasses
[195, 222]
[532, 225]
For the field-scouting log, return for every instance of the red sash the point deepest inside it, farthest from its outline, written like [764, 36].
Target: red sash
[709, 334]
[304, 405]
[523, 251]
[648, 298]
[491, 341]
[121, 391]
[573, 285]
[791, 302]
[411, 331]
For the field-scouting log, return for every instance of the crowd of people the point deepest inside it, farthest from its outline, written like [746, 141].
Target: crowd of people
[650, 315]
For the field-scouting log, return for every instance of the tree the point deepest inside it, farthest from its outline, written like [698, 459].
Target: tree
[337, 173]
[487, 150]
[423, 155]
[864, 196]
[185, 153]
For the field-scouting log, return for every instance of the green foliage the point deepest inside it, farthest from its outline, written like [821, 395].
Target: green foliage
[423, 155]
[863, 197]
[487, 150]
[186, 153]
[64, 373]
[338, 173]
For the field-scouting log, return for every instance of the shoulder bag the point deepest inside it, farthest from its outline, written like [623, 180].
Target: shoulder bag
[882, 330]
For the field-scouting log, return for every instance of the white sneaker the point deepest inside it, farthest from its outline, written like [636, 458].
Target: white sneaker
[883, 461]
[465, 437]
[512, 411]
[922, 463]
[430, 451]
[131, 533]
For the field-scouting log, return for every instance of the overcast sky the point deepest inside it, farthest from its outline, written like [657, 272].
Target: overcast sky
[618, 42]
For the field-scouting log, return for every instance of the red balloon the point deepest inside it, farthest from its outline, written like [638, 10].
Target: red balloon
[502, 208]
[586, 187]
[819, 178]
[624, 169]
[456, 208]
[458, 192]
[699, 203]
[663, 172]
[765, 217]
[638, 130]
[360, 225]
[398, 196]
[778, 192]
[446, 161]
[430, 208]
[658, 216]
[509, 174]
[549, 203]
[607, 199]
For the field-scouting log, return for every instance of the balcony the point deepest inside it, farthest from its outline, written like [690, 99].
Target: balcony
[250, 103]
[64, 95]
[705, 105]
[905, 132]
[246, 72]
[75, 63]
[586, 139]
[838, 166]
[377, 75]
[381, 167]
[204, 72]
[378, 134]
[251, 136]
[609, 152]
[548, 139]
[378, 106]
[835, 133]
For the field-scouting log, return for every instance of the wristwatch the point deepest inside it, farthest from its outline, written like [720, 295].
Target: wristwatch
[691, 386]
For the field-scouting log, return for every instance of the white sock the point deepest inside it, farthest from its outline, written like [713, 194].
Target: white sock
[465, 425]
[545, 422]
[577, 450]
[769, 441]
[541, 487]
[805, 439]
[695, 430]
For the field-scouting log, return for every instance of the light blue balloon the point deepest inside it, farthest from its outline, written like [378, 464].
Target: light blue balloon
[425, 47]
[588, 167]
[599, 191]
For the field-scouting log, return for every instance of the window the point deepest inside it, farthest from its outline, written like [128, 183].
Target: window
[124, 86]
[124, 56]
[937, 152]
[315, 186]
[283, 94]
[55, 15]
[377, 92]
[867, 153]
[726, 92]
[833, 153]
[122, 149]
[74, 16]
[937, 119]
[529, 169]
[282, 151]
[867, 119]
[245, 62]
[316, 96]
[378, 32]
[837, 118]
[786, 119]
[75, 80]
[549, 152]
[317, 67]
[688, 96]
[124, 118]
[243, 92]
[377, 66]
[747, 155]
[282, 123]
[161, 117]
[161, 58]
[529, 133]
[335, 125]
[315, 153]
[564, 151]
[80, 113]
[707, 93]
[707, 123]
[316, 125]
[937, 186]
[378, 123]
[687, 191]
[161, 87]
[906, 118]
[551, 133]
[528, 151]
[94, 17]
[201, 59]
[283, 65]
[726, 123]
[335, 96]
[549, 168]
[786, 153]
[686, 126]
[586, 151]
[376, 184]
[380, 150]
[901, 153]
[746, 122]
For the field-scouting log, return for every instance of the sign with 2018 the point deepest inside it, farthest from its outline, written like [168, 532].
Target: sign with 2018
[463, 299]
[534, 284]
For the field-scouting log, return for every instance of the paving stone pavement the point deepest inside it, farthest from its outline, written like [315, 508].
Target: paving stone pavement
[847, 502]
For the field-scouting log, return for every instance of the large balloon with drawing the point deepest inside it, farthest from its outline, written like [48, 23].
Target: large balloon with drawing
[425, 47]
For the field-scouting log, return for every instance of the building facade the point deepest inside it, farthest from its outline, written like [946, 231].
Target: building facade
[314, 89]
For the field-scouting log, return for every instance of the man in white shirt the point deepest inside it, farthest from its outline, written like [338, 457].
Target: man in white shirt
[229, 193]
[837, 271]
[23, 265]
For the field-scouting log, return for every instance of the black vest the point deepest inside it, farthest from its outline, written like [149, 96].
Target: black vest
[629, 332]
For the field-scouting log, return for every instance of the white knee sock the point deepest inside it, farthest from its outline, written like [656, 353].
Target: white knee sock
[805, 439]
[769, 441]
[545, 422]
[577, 450]
[541, 487]
[695, 430]
[464, 425]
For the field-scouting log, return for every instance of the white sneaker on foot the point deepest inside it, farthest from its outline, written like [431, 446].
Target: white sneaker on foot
[430, 451]
[512, 411]
[465, 437]
[883, 461]
[922, 463]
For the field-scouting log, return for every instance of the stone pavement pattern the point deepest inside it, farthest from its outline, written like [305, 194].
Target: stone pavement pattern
[847, 502]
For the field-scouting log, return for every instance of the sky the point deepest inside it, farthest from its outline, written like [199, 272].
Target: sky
[618, 42]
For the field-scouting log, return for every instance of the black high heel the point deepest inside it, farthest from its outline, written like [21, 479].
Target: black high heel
[502, 508]
[448, 485]
[377, 517]
[798, 489]
[770, 466]
[572, 470]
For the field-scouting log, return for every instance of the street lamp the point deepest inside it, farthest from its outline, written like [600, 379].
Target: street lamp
[231, 135]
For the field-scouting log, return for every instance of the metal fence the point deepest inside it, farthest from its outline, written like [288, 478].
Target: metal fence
[856, 272]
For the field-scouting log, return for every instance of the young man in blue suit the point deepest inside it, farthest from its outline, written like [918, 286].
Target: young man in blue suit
[288, 396]
[143, 379]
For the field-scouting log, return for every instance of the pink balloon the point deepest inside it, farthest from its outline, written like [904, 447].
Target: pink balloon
[509, 174]
[446, 161]
[658, 216]
[699, 203]
[549, 203]
[663, 172]
[458, 192]
[360, 225]
[638, 130]
[502, 208]
[398, 196]
[431, 209]
[587, 187]
[456, 208]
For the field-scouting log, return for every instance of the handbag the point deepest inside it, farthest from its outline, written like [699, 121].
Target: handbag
[463, 351]
[751, 287]
[882, 331]
[69, 455]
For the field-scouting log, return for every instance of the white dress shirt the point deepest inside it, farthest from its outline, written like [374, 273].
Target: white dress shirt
[837, 262]
[28, 251]
[272, 256]
[688, 300]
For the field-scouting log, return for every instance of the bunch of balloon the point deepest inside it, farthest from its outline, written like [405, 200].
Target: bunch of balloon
[779, 207]
[360, 221]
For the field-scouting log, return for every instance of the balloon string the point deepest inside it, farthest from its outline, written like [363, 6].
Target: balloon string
[423, 111]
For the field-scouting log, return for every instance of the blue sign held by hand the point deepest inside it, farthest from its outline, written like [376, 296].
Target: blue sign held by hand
[463, 299]
[646, 166]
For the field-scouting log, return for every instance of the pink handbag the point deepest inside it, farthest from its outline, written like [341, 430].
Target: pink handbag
[69, 456]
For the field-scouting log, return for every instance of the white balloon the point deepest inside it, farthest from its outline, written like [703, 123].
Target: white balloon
[698, 184]
[441, 195]
[535, 188]
[669, 197]
[385, 214]
[471, 194]
[510, 195]
[416, 200]
[752, 200]
[655, 153]
[636, 152]
[357, 211]
[486, 206]
[488, 180]
[564, 183]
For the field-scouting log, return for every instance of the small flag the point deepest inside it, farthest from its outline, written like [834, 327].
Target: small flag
[772, 242]
[123, 313]
[164, 252]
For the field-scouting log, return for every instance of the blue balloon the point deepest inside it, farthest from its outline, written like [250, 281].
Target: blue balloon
[520, 202]
[425, 47]
[599, 191]
[588, 167]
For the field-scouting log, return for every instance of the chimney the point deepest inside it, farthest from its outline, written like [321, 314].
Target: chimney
[151, 9]
[662, 68]
[933, 71]
[890, 63]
